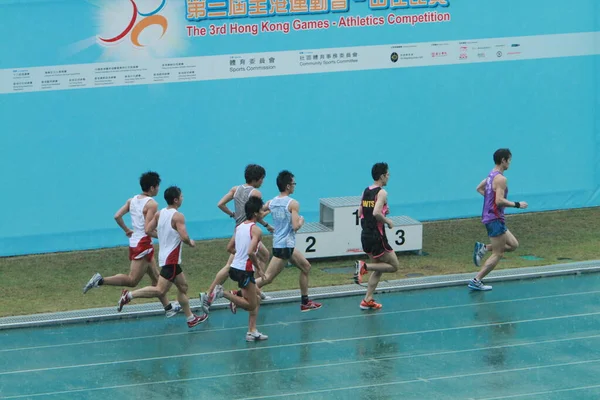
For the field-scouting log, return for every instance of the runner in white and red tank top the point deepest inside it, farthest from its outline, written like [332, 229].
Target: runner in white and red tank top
[495, 192]
[141, 208]
[171, 230]
[244, 245]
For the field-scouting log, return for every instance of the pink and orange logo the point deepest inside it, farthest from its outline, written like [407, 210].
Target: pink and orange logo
[137, 24]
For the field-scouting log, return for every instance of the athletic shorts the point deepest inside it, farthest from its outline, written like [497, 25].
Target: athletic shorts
[170, 271]
[243, 278]
[284, 253]
[143, 250]
[375, 244]
[495, 228]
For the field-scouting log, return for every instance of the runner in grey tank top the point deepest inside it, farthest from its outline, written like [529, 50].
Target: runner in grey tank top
[240, 198]
[254, 174]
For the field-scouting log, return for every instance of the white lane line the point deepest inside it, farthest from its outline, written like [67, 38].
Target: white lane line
[326, 365]
[363, 315]
[317, 342]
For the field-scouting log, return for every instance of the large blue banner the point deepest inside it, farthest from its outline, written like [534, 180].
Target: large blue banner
[93, 93]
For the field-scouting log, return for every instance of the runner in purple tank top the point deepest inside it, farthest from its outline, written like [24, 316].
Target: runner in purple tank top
[495, 192]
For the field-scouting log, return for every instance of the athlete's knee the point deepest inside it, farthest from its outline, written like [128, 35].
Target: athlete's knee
[253, 303]
[183, 288]
[301, 263]
[306, 267]
[133, 281]
[393, 262]
[161, 290]
[266, 280]
[499, 254]
[513, 245]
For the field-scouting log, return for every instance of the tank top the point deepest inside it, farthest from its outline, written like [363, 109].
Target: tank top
[243, 238]
[240, 198]
[138, 221]
[284, 235]
[169, 241]
[368, 222]
[491, 211]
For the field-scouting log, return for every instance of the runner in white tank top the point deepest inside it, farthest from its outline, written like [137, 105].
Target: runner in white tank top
[141, 208]
[169, 252]
[243, 239]
[171, 230]
[140, 243]
[244, 244]
[254, 174]
[287, 221]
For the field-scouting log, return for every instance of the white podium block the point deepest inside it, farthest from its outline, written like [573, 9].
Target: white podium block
[338, 232]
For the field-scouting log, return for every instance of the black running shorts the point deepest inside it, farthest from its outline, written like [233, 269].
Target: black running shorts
[170, 272]
[375, 244]
[284, 253]
[243, 278]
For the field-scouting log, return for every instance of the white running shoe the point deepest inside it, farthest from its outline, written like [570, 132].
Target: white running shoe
[92, 283]
[217, 292]
[175, 308]
[205, 302]
[478, 253]
[254, 336]
[263, 296]
[474, 284]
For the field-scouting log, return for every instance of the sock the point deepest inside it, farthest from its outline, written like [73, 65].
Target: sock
[129, 296]
[101, 282]
[304, 299]
[169, 307]
[191, 318]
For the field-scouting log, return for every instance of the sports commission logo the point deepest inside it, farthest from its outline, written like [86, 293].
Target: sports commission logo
[136, 27]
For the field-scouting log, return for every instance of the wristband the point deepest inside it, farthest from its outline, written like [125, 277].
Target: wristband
[232, 216]
[517, 204]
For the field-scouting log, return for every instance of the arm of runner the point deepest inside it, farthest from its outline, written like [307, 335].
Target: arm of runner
[500, 188]
[264, 213]
[265, 209]
[481, 187]
[152, 224]
[119, 218]
[297, 219]
[359, 211]
[222, 204]
[252, 249]
[150, 210]
[378, 210]
[231, 244]
[179, 226]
